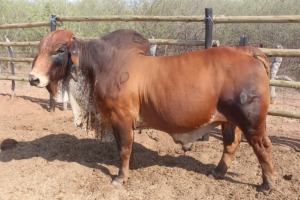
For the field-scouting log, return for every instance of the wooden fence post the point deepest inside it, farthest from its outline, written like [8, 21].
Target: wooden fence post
[12, 67]
[208, 27]
[243, 40]
[208, 42]
[52, 28]
[53, 23]
[153, 49]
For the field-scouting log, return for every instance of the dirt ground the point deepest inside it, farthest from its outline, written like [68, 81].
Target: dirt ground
[43, 156]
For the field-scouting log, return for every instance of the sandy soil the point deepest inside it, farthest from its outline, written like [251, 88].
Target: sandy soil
[44, 157]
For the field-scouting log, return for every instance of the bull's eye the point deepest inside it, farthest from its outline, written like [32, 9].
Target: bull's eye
[59, 56]
[59, 51]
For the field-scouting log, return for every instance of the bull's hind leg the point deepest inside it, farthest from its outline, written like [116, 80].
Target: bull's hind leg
[262, 147]
[231, 140]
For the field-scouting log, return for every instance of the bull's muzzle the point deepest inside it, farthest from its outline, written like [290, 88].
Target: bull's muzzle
[34, 81]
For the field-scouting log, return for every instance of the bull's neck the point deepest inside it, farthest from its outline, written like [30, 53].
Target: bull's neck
[87, 59]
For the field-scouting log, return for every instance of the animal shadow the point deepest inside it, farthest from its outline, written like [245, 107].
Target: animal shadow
[290, 142]
[285, 141]
[44, 103]
[94, 154]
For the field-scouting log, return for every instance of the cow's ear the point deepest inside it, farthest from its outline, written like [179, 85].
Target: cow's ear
[73, 62]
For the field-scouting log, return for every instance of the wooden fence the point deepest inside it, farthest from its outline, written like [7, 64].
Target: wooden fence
[216, 19]
[208, 19]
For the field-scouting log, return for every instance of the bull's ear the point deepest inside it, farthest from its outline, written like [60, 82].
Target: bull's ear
[73, 60]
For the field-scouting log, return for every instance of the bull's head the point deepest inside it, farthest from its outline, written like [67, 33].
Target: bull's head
[54, 60]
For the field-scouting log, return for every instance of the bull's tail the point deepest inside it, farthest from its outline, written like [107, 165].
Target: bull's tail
[265, 61]
[258, 54]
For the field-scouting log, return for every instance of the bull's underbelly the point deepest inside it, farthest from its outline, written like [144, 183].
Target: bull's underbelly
[178, 121]
[188, 135]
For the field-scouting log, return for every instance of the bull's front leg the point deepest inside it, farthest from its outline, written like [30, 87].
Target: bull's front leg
[124, 137]
[52, 89]
[51, 103]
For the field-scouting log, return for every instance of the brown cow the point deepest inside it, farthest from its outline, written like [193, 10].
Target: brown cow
[184, 95]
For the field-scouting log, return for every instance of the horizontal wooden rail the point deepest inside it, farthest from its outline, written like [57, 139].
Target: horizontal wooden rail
[282, 113]
[152, 41]
[33, 43]
[140, 18]
[278, 83]
[25, 25]
[16, 59]
[286, 84]
[281, 52]
[10, 77]
[279, 113]
[269, 52]
[133, 18]
[221, 19]
[177, 42]
[216, 19]
[181, 42]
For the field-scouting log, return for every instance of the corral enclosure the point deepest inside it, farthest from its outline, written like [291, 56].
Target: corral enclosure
[54, 160]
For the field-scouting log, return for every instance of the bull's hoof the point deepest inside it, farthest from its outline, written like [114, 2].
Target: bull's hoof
[215, 174]
[265, 188]
[205, 137]
[117, 181]
[187, 147]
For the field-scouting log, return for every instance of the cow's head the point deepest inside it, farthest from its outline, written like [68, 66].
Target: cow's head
[54, 59]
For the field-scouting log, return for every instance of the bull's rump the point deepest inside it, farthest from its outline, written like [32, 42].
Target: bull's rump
[181, 93]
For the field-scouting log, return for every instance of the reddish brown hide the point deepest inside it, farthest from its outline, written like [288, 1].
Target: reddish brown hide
[184, 95]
